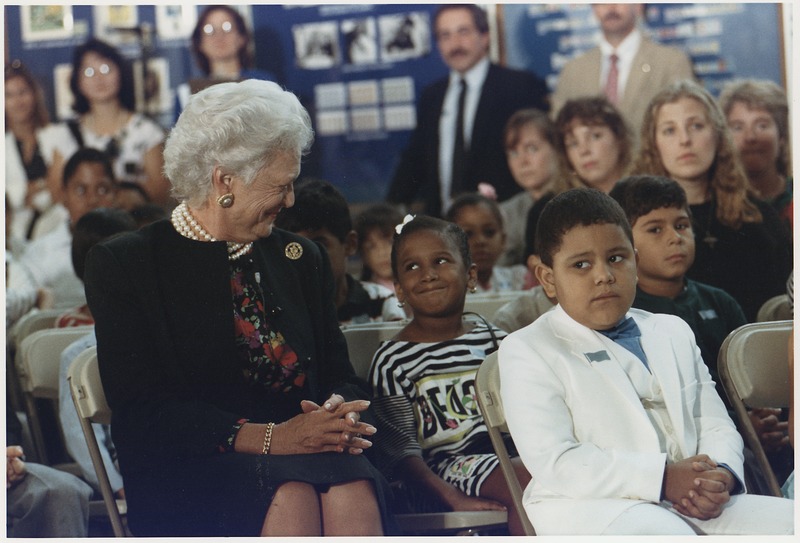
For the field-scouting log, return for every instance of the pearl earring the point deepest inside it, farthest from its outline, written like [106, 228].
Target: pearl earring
[226, 200]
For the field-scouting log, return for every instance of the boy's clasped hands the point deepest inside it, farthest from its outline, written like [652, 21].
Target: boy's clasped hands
[698, 487]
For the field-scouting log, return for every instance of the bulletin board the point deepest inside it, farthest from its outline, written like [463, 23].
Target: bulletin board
[360, 68]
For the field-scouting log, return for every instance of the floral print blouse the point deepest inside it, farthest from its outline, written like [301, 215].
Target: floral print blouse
[267, 359]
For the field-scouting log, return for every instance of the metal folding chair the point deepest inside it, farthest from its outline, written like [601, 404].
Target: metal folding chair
[487, 386]
[90, 402]
[754, 370]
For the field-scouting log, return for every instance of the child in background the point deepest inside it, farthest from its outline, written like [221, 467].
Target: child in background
[612, 408]
[530, 142]
[423, 380]
[320, 213]
[662, 234]
[375, 228]
[480, 218]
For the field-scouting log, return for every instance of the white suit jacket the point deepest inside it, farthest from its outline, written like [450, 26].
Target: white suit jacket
[580, 427]
[654, 67]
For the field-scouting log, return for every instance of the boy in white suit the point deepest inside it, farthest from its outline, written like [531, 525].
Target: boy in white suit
[611, 408]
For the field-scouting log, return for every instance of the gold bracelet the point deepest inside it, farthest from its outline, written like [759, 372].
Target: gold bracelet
[268, 438]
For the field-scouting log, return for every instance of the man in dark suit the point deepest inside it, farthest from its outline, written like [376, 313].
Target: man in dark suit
[438, 164]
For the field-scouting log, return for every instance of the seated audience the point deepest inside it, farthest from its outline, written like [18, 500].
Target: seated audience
[102, 84]
[530, 141]
[757, 112]
[611, 408]
[321, 214]
[236, 409]
[742, 247]
[32, 187]
[88, 183]
[661, 222]
[424, 378]
[375, 229]
[480, 218]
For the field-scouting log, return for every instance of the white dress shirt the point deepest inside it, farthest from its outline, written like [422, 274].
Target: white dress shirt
[447, 122]
[625, 52]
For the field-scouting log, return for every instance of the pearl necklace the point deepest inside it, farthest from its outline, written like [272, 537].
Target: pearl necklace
[186, 225]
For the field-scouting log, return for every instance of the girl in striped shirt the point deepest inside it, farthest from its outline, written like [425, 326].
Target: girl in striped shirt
[424, 379]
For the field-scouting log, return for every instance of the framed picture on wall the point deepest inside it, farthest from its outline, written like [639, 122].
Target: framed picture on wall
[116, 24]
[40, 23]
[175, 21]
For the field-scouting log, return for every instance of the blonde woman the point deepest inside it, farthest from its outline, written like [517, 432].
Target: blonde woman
[742, 247]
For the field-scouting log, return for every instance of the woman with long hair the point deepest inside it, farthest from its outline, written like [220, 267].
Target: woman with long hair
[31, 143]
[742, 247]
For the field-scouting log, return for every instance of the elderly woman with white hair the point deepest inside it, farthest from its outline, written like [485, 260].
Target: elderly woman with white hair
[236, 411]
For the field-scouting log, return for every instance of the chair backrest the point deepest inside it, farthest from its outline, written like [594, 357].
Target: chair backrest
[31, 322]
[363, 341]
[87, 388]
[776, 308]
[90, 402]
[487, 303]
[40, 357]
[754, 370]
[487, 387]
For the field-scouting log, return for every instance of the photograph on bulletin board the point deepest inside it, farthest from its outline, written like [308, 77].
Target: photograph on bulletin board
[41, 23]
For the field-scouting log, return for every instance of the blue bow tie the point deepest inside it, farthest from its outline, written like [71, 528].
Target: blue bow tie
[627, 334]
[625, 329]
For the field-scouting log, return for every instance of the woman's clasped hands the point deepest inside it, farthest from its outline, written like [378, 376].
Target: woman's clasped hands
[333, 427]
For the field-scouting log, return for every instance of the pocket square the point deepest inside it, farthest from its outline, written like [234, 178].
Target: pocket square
[598, 356]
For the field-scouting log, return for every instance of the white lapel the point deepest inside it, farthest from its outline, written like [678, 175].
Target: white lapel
[661, 356]
[589, 347]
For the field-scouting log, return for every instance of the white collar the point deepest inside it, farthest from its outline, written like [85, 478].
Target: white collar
[475, 76]
[626, 49]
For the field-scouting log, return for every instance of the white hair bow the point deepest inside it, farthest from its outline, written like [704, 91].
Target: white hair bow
[407, 219]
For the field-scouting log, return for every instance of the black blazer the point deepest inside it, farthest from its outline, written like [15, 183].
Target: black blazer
[165, 338]
[504, 92]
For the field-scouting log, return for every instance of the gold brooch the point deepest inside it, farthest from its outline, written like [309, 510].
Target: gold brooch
[293, 251]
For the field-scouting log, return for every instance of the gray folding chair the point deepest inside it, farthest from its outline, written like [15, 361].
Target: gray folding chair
[37, 368]
[32, 321]
[754, 370]
[776, 308]
[487, 387]
[90, 402]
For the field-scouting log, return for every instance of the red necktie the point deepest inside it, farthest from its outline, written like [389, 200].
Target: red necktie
[612, 80]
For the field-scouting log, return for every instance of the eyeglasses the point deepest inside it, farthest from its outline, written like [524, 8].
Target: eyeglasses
[103, 69]
[226, 28]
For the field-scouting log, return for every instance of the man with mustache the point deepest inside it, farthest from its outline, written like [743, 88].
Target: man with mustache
[433, 168]
[642, 68]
